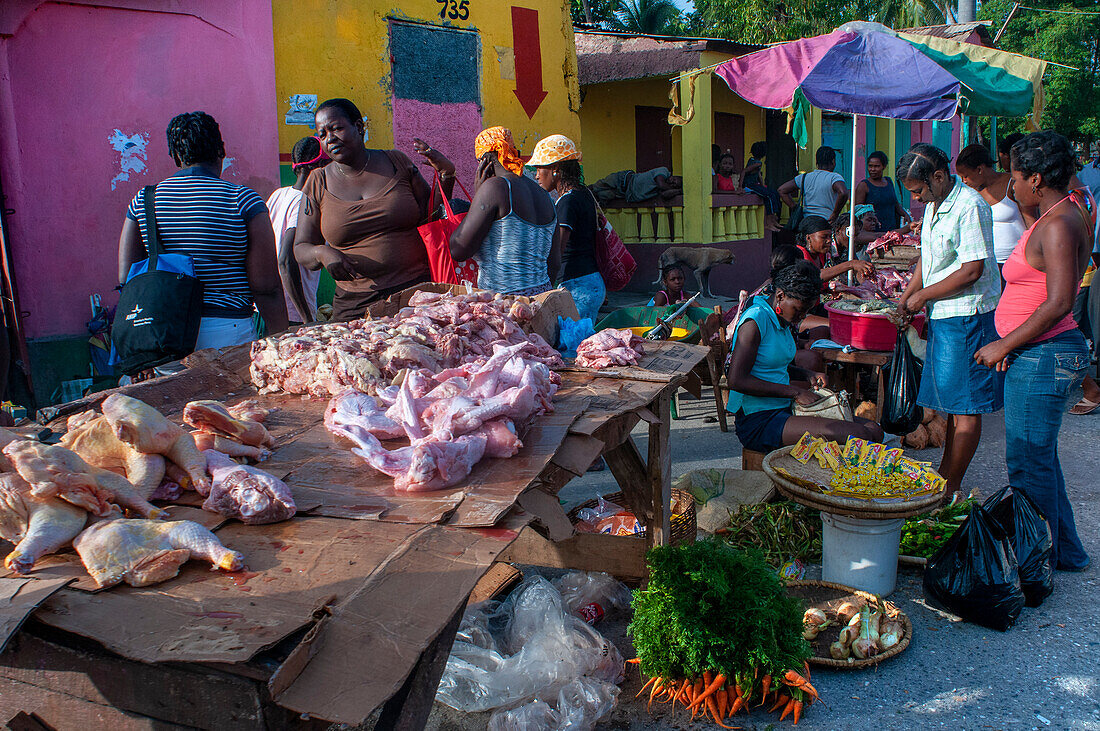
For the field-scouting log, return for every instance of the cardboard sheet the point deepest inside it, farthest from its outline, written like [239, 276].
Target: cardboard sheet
[18, 598]
[293, 569]
[391, 619]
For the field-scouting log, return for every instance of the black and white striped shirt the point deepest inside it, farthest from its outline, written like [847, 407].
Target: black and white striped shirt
[205, 218]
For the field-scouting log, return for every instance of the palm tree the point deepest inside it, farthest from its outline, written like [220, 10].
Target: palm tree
[648, 17]
[905, 13]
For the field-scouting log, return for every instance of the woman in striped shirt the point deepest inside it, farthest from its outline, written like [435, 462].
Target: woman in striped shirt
[222, 226]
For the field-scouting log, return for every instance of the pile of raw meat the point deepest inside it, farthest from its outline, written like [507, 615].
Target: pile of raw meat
[887, 283]
[888, 241]
[452, 418]
[610, 347]
[120, 460]
[435, 332]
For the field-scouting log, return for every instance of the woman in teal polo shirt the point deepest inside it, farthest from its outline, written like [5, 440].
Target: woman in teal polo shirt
[761, 391]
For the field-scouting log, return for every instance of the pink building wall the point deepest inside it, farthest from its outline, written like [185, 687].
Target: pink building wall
[87, 88]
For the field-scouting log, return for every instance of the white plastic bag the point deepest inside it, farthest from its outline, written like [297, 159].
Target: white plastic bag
[527, 647]
[589, 595]
[580, 705]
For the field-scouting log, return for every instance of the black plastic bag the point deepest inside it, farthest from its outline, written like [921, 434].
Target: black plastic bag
[975, 575]
[1029, 534]
[900, 412]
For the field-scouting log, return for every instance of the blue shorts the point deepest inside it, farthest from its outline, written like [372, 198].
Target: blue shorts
[761, 431]
[952, 381]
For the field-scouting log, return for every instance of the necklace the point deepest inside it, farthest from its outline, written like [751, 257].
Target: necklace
[360, 171]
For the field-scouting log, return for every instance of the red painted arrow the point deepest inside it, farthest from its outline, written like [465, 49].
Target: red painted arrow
[525, 45]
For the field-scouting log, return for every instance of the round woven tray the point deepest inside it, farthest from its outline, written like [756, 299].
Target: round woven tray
[803, 483]
[682, 520]
[828, 596]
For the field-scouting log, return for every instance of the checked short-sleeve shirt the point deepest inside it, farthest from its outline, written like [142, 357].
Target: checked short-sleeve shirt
[955, 232]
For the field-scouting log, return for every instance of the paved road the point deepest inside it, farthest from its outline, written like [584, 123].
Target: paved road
[1040, 674]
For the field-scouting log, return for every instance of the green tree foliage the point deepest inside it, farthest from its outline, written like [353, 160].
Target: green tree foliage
[768, 21]
[649, 17]
[1072, 97]
[602, 12]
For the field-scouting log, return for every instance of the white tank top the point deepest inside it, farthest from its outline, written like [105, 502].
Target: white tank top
[1008, 227]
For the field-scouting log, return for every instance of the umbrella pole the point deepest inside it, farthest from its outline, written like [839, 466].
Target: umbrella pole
[852, 200]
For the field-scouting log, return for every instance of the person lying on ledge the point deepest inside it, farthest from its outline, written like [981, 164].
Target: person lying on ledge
[762, 394]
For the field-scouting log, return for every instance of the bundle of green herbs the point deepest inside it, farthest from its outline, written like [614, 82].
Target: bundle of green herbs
[714, 615]
[923, 535]
[780, 531]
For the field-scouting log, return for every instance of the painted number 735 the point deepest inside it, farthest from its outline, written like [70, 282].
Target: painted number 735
[454, 9]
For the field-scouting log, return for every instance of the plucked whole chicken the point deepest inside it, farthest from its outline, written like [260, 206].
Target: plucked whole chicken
[38, 526]
[149, 432]
[57, 471]
[91, 436]
[144, 552]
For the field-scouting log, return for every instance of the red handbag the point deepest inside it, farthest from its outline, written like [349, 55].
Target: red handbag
[615, 263]
[437, 241]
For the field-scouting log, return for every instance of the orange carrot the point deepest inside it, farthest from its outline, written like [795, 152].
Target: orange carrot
[634, 661]
[656, 686]
[696, 691]
[712, 686]
[737, 706]
[806, 665]
[712, 707]
[797, 713]
[780, 700]
[795, 680]
[787, 708]
[682, 694]
[723, 699]
[646, 686]
[731, 701]
[765, 685]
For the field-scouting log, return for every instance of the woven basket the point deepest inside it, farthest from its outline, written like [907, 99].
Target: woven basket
[803, 483]
[682, 520]
[827, 595]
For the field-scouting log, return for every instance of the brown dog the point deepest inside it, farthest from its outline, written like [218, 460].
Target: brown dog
[700, 259]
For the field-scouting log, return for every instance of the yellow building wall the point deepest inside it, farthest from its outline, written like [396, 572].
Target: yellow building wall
[340, 48]
[607, 124]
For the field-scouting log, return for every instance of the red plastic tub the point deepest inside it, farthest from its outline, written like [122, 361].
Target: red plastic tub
[866, 330]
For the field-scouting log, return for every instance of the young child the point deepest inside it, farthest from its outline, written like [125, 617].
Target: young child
[724, 180]
[753, 183]
[672, 280]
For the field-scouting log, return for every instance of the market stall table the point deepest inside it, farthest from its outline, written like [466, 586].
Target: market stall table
[346, 610]
[847, 366]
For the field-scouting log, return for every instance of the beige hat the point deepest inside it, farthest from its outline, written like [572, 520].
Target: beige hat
[552, 149]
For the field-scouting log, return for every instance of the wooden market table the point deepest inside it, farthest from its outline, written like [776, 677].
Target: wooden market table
[850, 363]
[348, 610]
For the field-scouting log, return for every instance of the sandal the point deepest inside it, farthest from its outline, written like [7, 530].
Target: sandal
[1083, 407]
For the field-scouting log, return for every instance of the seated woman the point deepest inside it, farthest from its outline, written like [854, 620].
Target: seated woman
[815, 240]
[672, 287]
[509, 230]
[763, 350]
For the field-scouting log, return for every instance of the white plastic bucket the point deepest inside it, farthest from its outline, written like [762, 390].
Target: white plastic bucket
[860, 553]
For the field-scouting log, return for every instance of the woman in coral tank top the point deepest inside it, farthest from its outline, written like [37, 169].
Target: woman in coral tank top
[1040, 348]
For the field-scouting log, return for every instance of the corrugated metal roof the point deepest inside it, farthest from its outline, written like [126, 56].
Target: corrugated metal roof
[609, 56]
[955, 31]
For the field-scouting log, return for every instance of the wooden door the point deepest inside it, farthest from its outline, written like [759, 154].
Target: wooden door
[729, 135]
[652, 139]
[781, 163]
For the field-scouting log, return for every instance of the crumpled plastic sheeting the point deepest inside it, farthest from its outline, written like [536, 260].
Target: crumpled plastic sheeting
[530, 648]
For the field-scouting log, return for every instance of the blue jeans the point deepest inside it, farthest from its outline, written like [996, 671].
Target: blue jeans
[588, 293]
[1041, 383]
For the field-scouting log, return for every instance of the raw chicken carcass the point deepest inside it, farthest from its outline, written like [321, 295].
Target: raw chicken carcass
[211, 416]
[249, 410]
[57, 471]
[6, 438]
[610, 347]
[352, 408]
[246, 493]
[95, 441]
[148, 431]
[38, 526]
[144, 552]
[206, 441]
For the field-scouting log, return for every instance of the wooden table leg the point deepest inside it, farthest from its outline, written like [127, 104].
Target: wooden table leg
[716, 384]
[409, 707]
[659, 470]
[881, 390]
[625, 463]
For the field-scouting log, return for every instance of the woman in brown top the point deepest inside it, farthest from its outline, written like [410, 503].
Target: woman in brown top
[359, 214]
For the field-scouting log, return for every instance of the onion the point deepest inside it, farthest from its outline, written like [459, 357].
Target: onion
[864, 648]
[876, 623]
[810, 632]
[815, 617]
[848, 635]
[839, 651]
[846, 611]
[889, 639]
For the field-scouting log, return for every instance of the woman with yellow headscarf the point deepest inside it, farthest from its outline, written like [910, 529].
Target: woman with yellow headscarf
[509, 230]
